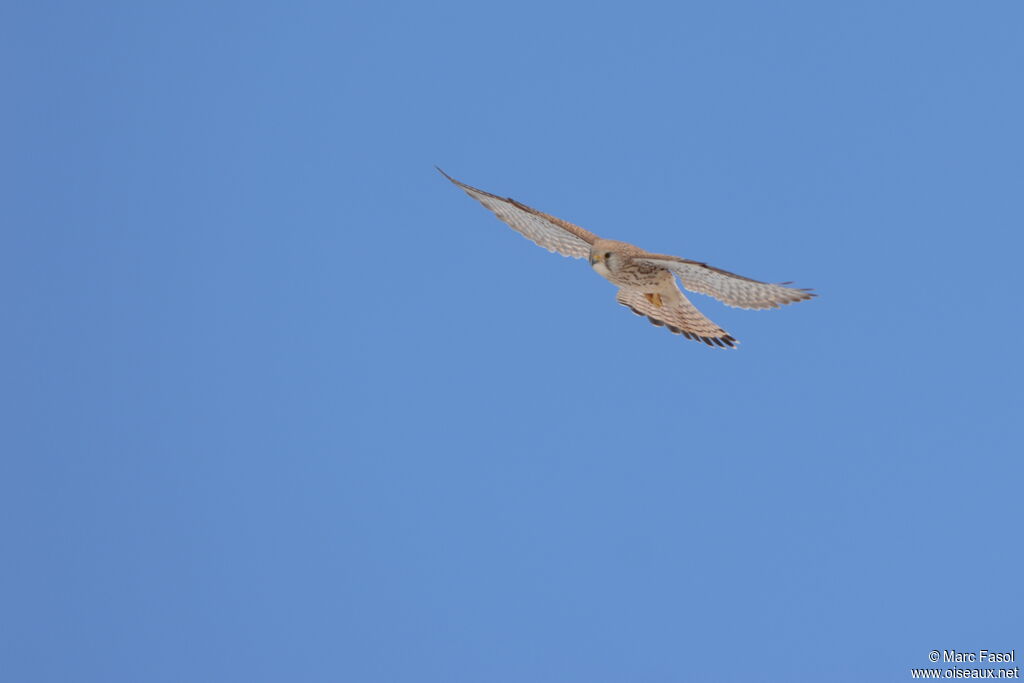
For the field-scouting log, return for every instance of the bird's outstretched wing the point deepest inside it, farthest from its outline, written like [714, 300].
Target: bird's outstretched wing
[674, 311]
[729, 288]
[552, 233]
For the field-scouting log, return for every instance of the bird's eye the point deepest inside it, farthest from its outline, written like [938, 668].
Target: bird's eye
[607, 255]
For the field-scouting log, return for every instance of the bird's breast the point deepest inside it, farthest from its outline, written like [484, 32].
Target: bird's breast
[640, 275]
[603, 271]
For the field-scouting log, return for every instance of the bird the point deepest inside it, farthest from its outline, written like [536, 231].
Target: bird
[646, 281]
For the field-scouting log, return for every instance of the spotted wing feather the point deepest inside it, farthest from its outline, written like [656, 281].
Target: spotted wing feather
[552, 233]
[729, 288]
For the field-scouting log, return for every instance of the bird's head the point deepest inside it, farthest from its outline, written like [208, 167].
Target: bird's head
[608, 254]
[600, 257]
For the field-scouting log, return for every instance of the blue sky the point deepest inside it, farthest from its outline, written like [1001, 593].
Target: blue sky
[283, 404]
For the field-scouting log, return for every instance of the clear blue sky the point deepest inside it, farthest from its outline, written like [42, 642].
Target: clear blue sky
[281, 404]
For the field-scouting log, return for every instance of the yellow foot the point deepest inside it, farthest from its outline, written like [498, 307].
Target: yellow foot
[654, 298]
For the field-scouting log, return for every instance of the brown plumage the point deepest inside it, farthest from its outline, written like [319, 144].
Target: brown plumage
[646, 281]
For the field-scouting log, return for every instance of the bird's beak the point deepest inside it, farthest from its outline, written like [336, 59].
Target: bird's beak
[594, 259]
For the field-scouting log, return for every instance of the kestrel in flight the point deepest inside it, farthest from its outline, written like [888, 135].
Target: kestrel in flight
[646, 281]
